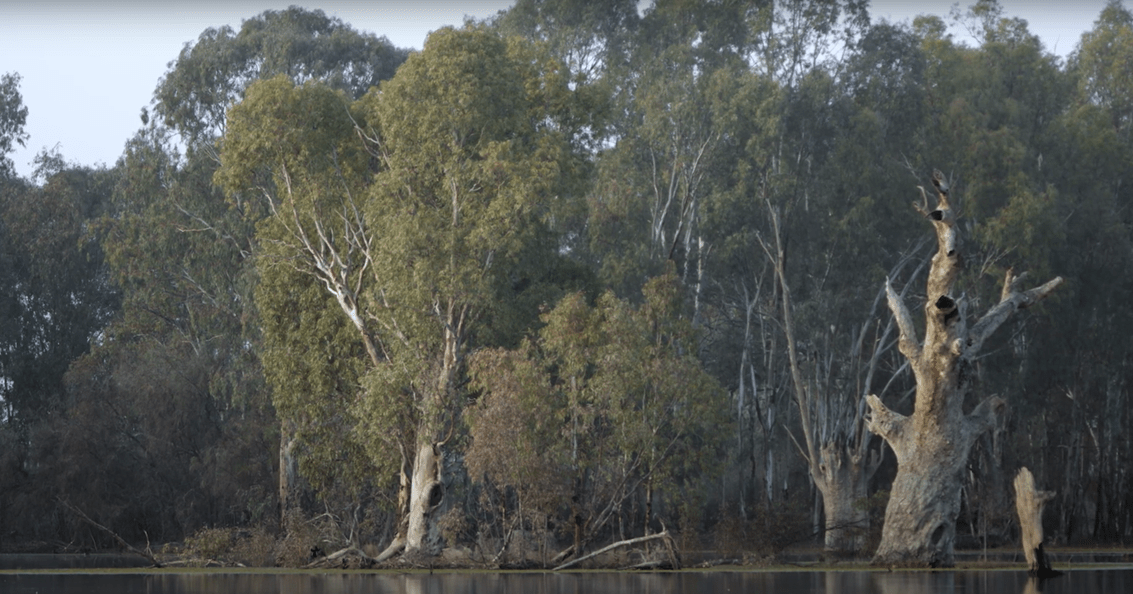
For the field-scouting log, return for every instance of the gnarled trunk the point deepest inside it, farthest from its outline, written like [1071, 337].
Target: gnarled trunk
[933, 443]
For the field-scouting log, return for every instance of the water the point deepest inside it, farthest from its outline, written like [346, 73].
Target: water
[1088, 581]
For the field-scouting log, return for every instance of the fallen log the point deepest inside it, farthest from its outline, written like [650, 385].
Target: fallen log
[625, 543]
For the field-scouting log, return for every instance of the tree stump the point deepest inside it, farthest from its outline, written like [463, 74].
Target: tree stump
[1029, 503]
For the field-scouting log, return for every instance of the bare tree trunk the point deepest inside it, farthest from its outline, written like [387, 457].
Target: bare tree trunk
[932, 444]
[838, 460]
[289, 490]
[843, 483]
[425, 494]
[1029, 502]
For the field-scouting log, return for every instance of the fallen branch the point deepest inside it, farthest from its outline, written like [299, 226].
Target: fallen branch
[623, 543]
[335, 556]
[567, 552]
[144, 554]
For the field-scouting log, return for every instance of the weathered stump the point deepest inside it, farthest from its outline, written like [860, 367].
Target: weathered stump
[1029, 503]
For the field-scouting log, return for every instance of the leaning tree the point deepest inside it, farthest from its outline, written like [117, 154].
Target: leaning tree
[932, 444]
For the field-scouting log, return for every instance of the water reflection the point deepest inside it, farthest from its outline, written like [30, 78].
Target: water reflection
[802, 582]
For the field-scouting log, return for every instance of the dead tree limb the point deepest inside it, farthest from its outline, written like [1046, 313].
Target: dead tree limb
[144, 554]
[335, 556]
[621, 543]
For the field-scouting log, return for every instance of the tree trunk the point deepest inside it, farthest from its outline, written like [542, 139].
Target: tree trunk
[1029, 503]
[837, 462]
[425, 493]
[932, 444]
[843, 482]
[289, 490]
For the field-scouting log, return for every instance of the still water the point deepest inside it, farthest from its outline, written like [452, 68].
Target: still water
[1093, 581]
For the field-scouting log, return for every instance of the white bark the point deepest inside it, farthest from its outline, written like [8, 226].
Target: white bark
[1029, 503]
[425, 493]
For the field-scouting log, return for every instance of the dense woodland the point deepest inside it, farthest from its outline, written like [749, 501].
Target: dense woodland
[570, 276]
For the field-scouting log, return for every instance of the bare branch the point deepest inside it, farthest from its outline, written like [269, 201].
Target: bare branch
[907, 344]
[886, 423]
[1009, 303]
[982, 418]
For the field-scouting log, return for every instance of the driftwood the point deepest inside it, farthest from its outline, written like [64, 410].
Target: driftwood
[1029, 503]
[144, 554]
[664, 534]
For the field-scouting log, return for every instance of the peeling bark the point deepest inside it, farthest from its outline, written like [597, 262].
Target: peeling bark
[933, 443]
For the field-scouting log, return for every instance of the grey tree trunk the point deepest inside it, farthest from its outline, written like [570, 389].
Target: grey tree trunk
[836, 445]
[843, 480]
[932, 444]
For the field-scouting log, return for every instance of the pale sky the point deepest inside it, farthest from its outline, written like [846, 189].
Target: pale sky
[88, 68]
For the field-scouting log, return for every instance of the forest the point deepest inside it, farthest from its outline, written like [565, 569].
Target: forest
[579, 274]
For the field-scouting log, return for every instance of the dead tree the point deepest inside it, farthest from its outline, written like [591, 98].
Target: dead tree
[933, 443]
[836, 444]
[1029, 502]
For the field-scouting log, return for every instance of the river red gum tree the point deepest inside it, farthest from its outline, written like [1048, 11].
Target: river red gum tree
[932, 444]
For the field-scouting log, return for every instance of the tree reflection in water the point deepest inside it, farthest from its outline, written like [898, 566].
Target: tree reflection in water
[1091, 581]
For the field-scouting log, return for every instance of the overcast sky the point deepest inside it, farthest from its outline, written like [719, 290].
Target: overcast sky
[88, 67]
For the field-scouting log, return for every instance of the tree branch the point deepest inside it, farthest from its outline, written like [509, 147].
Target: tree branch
[1010, 301]
[619, 544]
[982, 418]
[147, 555]
[884, 422]
[907, 344]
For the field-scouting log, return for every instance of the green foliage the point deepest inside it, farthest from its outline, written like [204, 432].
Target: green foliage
[608, 399]
[13, 116]
[1103, 62]
[367, 257]
[58, 294]
[398, 231]
[212, 74]
[249, 548]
